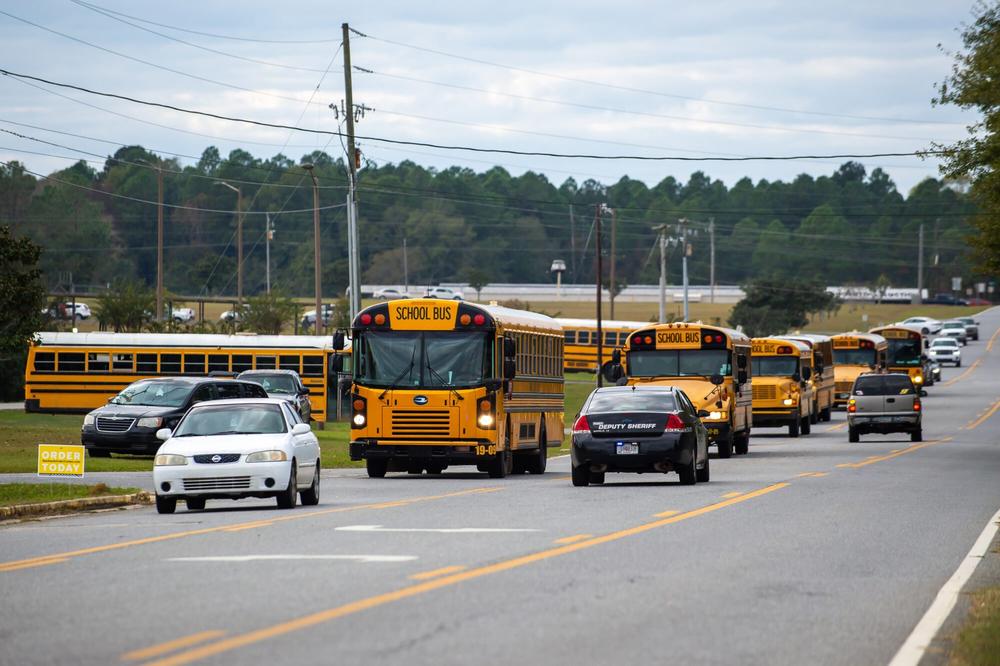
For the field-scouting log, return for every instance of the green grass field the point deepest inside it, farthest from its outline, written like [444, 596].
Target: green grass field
[37, 493]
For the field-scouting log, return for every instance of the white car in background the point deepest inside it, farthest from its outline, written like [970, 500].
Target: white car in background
[182, 315]
[443, 292]
[230, 449]
[954, 328]
[389, 294]
[926, 324]
[82, 310]
[945, 350]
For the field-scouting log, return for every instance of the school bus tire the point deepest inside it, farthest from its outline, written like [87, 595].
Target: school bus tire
[793, 428]
[827, 414]
[536, 461]
[725, 445]
[376, 468]
[806, 426]
[741, 443]
[501, 465]
[814, 416]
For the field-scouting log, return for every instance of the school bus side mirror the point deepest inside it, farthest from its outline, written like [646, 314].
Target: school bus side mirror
[509, 368]
[796, 377]
[741, 377]
[612, 371]
[339, 339]
[616, 357]
[717, 379]
[336, 364]
[806, 373]
[509, 348]
[493, 384]
[741, 362]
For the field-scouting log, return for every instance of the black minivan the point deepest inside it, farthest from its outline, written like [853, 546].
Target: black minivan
[128, 423]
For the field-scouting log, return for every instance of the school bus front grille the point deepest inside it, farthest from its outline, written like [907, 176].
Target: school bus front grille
[420, 423]
[765, 392]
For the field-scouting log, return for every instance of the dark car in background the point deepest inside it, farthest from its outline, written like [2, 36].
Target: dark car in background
[128, 423]
[283, 384]
[639, 429]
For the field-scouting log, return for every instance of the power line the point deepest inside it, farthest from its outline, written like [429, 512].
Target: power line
[606, 85]
[653, 158]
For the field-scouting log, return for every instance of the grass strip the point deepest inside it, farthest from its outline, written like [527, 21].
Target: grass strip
[38, 493]
[978, 641]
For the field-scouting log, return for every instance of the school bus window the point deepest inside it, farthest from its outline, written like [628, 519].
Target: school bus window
[265, 363]
[243, 362]
[71, 362]
[145, 363]
[98, 362]
[218, 362]
[569, 336]
[312, 366]
[610, 338]
[194, 364]
[123, 362]
[170, 363]
[45, 362]
[584, 337]
[289, 362]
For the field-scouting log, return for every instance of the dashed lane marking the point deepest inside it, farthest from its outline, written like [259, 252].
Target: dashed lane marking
[574, 538]
[170, 646]
[836, 427]
[666, 514]
[435, 530]
[989, 412]
[870, 460]
[55, 558]
[364, 559]
[443, 571]
[732, 494]
[962, 376]
[368, 603]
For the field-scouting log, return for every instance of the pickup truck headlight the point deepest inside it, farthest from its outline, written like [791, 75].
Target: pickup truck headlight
[150, 422]
[169, 459]
[267, 456]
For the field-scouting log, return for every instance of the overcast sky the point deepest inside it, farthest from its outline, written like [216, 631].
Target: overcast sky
[709, 78]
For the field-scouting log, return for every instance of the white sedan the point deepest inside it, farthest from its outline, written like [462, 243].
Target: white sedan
[230, 449]
[927, 325]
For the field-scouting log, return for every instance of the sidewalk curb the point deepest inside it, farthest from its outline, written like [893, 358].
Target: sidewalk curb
[73, 505]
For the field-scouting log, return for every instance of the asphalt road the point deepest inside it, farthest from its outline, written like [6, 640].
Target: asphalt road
[810, 550]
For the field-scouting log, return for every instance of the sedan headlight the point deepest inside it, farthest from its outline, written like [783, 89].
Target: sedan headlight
[267, 456]
[788, 402]
[715, 416]
[169, 459]
[150, 422]
[88, 419]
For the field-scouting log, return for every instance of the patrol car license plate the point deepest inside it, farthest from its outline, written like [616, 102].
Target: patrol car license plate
[627, 448]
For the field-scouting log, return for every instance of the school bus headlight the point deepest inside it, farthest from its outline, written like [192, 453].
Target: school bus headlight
[918, 379]
[150, 422]
[715, 416]
[88, 419]
[788, 402]
[485, 420]
[359, 419]
[169, 459]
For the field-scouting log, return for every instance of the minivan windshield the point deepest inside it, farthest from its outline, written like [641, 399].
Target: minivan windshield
[423, 359]
[157, 393]
[232, 420]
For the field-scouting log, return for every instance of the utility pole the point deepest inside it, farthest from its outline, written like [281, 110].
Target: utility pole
[406, 270]
[611, 277]
[317, 287]
[352, 157]
[920, 265]
[239, 246]
[662, 241]
[572, 242]
[711, 261]
[598, 270]
[159, 242]
[268, 237]
[935, 281]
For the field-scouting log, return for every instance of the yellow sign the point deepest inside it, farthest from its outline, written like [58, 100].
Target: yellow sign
[678, 338]
[845, 343]
[57, 460]
[423, 315]
[898, 333]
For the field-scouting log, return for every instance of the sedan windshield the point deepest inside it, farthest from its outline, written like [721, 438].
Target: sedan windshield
[775, 366]
[419, 359]
[232, 420]
[274, 383]
[154, 394]
[679, 363]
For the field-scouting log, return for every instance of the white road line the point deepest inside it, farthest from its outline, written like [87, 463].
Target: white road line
[442, 530]
[916, 645]
[367, 559]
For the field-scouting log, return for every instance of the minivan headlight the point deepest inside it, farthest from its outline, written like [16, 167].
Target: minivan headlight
[169, 459]
[150, 422]
[267, 456]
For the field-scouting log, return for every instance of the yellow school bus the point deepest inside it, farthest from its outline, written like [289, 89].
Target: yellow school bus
[855, 353]
[709, 363]
[905, 351]
[441, 383]
[580, 340]
[822, 378]
[782, 394]
[77, 372]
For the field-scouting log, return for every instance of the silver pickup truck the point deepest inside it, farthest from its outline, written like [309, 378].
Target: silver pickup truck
[884, 404]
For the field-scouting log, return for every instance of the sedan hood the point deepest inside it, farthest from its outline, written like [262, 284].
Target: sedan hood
[190, 446]
[133, 411]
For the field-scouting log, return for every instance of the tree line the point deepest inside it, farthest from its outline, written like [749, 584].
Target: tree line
[98, 226]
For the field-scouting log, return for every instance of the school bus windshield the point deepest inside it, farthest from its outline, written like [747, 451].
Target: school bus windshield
[775, 366]
[422, 359]
[854, 357]
[904, 352]
[679, 363]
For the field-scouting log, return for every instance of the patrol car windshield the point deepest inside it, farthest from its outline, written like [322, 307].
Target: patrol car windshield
[679, 363]
[419, 359]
